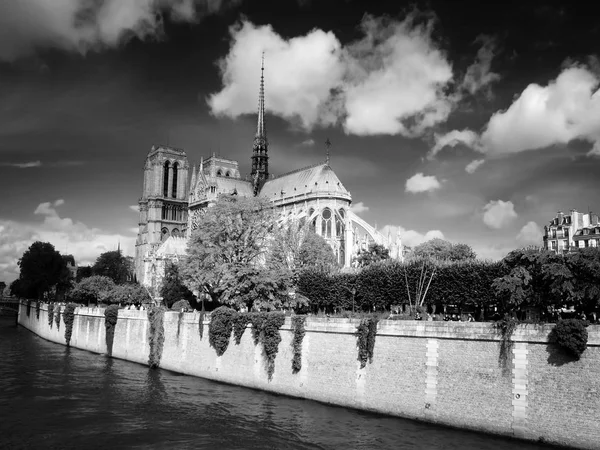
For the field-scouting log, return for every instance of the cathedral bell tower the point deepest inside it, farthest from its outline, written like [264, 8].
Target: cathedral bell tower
[164, 201]
[260, 147]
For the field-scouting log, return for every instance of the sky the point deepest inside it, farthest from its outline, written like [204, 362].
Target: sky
[472, 121]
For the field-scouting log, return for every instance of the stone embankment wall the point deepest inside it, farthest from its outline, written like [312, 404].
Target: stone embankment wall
[441, 372]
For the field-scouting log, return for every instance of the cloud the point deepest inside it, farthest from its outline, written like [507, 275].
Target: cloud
[67, 235]
[452, 139]
[566, 109]
[308, 143]
[25, 165]
[497, 214]
[135, 208]
[411, 238]
[479, 75]
[531, 233]
[474, 165]
[359, 207]
[390, 82]
[422, 183]
[27, 26]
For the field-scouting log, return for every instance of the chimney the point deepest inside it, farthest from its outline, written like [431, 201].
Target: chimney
[593, 219]
[561, 217]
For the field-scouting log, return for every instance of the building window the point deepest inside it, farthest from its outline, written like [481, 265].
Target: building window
[174, 187]
[175, 232]
[326, 223]
[227, 174]
[553, 245]
[164, 234]
[166, 180]
[219, 173]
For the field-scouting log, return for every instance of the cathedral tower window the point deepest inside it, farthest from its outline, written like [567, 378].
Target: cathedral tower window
[219, 173]
[164, 234]
[175, 232]
[166, 180]
[326, 223]
[174, 185]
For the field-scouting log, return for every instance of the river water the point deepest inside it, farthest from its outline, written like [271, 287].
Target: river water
[52, 397]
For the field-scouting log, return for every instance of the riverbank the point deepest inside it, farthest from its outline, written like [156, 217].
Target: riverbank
[440, 372]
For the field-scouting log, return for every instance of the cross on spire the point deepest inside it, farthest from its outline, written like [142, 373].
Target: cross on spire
[260, 148]
[327, 146]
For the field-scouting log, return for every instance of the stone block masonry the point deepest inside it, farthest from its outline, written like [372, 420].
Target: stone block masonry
[441, 372]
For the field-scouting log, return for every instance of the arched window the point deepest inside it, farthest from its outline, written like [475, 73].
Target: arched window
[313, 223]
[326, 223]
[227, 174]
[340, 226]
[175, 232]
[164, 234]
[166, 180]
[219, 173]
[174, 187]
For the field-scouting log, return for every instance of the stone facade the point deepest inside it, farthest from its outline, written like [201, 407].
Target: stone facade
[568, 232]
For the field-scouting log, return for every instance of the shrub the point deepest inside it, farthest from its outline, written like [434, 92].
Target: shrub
[180, 304]
[69, 318]
[157, 335]
[571, 335]
[50, 314]
[57, 318]
[111, 314]
[298, 329]
[240, 322]
[221, 325]
[365, 336]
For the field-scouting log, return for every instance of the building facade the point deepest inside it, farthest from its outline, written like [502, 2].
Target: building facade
[569, 232]
[170, 208]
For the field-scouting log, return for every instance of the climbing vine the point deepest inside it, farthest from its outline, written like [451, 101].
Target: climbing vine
[298, 330]
[271, 338]
[179, 320]
[221, 325]
[69, 318]
[506, 326]
[28, 308]
[365, 336]
[240, 322]
[201, 323]
[157, 335]
[57, 318]
[50, 314]
[37, 310]
[257, 319]
[111, 314]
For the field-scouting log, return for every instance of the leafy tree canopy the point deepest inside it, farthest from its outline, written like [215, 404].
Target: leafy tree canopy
[374, 254]
[442, 250]
[94, 289]
[226, 254]
[113, 265]
[41, 268]
[316, 253]
[173, 289]
[83, 272]
[127, 294]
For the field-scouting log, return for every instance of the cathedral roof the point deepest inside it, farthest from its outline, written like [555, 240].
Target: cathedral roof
[226, 185]
[318, 180]
[172, 246]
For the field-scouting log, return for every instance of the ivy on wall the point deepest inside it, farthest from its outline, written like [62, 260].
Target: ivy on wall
[50, 314]
[298, 337]
[571, 335]
[201, 323]
[37, 310]
[365, 337]
[69, 318]
[221, 325]
[257, 320]
[28, 308]
[506, 326]
[179, 320]
[240, 322]
[111, 315]
[57, 318]
[157, 335]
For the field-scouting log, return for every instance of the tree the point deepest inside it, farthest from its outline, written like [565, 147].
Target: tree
[94, 289]
[67, 278]
[227, 253]
[316, 253]
[375, 253]
[173, 288]
[128, 294]
[83, 272]
[41, 267]
[113, 265]
[443, 250]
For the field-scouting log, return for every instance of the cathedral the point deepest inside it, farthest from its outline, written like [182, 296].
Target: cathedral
[172, 201]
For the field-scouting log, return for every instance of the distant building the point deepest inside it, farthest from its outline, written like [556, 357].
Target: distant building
[569, 232]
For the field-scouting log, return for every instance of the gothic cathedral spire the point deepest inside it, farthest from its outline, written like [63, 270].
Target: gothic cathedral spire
[260, 147]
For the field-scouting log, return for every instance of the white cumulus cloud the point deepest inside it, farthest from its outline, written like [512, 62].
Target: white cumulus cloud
[531, 233]
[422, 183]
[27, 26]
[479, 75]
[359, 207]
[389, 82]
[474, 165]
[452, 139]
[410, 238]
[497, 214]
[67, 235]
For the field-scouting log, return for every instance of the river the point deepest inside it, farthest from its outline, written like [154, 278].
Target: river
[53, 397]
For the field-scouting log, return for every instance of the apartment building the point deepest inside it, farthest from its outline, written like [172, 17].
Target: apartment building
[568, 232]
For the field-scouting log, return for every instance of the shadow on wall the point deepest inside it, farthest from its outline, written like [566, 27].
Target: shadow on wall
[557, 356]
